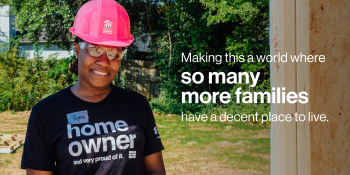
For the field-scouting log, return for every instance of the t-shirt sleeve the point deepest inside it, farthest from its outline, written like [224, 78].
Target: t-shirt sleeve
[37, 153]
[153, 143]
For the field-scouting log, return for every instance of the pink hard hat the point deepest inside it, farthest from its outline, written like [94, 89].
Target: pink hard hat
[103, 22]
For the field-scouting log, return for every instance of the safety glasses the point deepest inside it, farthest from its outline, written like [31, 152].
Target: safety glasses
[113, 53]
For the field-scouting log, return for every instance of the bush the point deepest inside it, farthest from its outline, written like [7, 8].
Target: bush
[166, 105]
[120, 79]
[24, 82]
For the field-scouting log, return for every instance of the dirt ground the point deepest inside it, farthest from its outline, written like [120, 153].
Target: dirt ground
[13, 124]
[190, 148]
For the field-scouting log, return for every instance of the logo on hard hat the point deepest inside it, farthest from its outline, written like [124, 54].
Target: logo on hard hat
[108, 25]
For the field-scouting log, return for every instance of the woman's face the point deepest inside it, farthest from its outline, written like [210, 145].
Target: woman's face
[96, 72]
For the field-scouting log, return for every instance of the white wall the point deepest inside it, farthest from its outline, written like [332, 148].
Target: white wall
[54, 49]
[5, 24]
[28, 50]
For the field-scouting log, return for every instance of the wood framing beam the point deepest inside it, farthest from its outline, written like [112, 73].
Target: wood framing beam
[303, 84]
[283, 40]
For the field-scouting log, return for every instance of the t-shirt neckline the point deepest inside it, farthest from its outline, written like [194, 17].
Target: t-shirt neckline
[106, 99]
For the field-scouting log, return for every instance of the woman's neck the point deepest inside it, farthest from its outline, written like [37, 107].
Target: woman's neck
[89, 93]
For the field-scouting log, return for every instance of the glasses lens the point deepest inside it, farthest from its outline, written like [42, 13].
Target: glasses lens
[114, 54]
[111, 53]
[95, 51]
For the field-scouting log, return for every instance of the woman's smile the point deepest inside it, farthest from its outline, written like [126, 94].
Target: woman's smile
[96, 72]
[100, 74]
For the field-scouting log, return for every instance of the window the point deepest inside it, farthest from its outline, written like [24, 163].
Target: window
[39, 51]
[22, 51]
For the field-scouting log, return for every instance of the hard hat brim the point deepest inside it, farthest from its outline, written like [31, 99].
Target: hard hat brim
[103, 41]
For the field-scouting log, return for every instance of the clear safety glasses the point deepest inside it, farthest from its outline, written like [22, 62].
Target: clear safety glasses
[113, 53]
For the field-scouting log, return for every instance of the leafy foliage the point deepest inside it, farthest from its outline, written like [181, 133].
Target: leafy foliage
[46, 20]
[24, 82]
[120, 79]
[210, 28]
[50, 20]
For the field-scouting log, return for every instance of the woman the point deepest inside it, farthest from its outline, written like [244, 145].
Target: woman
[93, 127]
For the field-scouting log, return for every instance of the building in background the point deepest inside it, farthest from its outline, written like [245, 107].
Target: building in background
[6, 24]
[7, 30]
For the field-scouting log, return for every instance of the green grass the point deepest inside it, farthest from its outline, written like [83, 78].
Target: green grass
[25, 123]
[12, 132]
[21, 123]
[11, 162]
[190, 146]
[202, 139]
[4, 162]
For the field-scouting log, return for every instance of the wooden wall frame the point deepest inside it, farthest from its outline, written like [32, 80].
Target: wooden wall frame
[312, 27]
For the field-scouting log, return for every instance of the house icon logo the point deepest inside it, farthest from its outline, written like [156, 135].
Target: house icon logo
[108, 24]
[108, 27]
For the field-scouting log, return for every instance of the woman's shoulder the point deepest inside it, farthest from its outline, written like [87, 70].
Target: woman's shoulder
[129, 96]
[129, 93]
[132, 101]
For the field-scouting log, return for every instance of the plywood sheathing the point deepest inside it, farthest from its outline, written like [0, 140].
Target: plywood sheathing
[330, 86]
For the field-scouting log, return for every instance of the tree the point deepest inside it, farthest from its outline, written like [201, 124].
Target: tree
[210, 28]
[176, 27]
[51, 19]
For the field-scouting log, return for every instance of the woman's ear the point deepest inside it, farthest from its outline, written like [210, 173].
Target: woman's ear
[76, 48]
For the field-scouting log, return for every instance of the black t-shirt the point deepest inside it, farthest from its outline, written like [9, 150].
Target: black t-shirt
[68, 135]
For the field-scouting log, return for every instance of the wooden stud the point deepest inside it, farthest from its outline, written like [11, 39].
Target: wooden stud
[283, 134]
[303, 84]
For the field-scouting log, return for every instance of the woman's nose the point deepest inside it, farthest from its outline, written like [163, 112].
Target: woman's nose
[103, 60]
